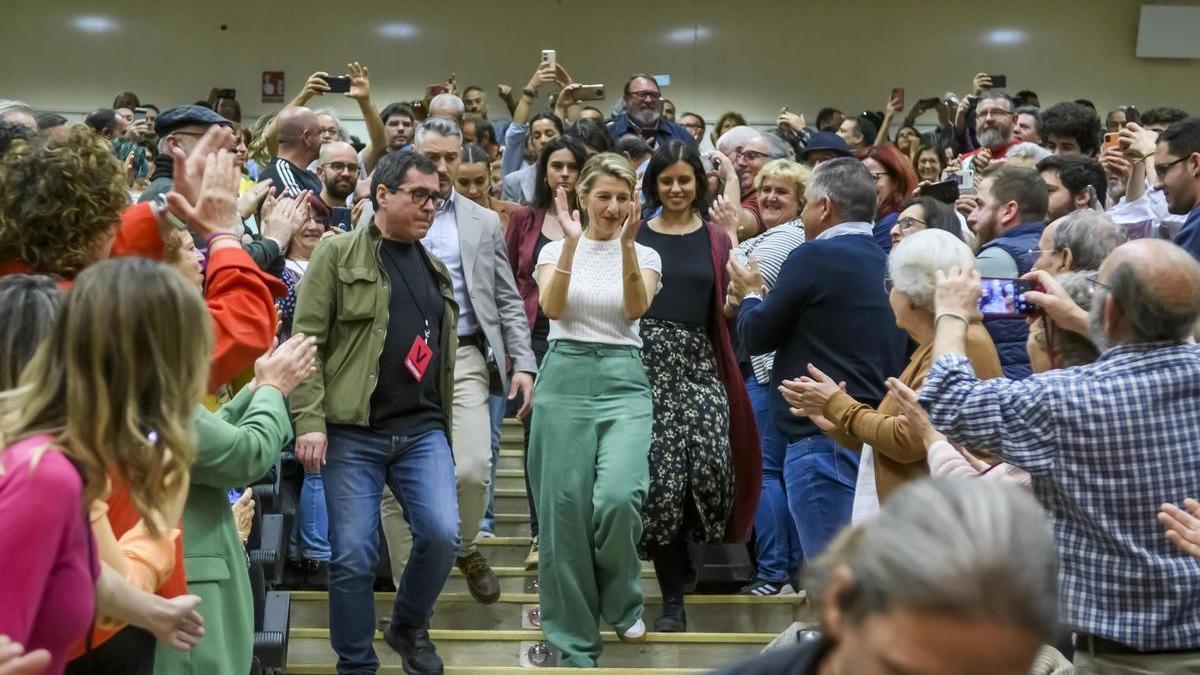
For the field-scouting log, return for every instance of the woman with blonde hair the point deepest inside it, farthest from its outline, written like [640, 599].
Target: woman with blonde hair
[780, 185]
[96, 401]
[593, 413]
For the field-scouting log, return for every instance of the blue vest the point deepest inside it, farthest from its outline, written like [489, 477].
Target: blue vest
[1010, 335]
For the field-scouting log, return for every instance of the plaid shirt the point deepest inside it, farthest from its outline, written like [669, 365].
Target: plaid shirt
[1105, 444]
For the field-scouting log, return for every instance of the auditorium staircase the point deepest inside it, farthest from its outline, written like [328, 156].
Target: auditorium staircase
[504, 637]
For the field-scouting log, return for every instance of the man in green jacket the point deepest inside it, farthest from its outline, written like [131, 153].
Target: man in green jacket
[378, 413]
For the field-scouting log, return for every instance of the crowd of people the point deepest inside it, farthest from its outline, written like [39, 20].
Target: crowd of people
[766, 337]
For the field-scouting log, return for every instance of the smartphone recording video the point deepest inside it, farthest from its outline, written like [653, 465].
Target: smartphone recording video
[338, 84]
[1005, 298]
[340, 218]
[945, 191]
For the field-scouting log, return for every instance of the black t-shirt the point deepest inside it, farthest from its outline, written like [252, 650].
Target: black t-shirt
[540, 334]
[687, 276]
[289, 179]
[401, 404]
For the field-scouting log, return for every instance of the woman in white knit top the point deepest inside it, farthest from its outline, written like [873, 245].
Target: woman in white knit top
[593, 414]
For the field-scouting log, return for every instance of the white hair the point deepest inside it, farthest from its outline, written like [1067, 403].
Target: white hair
[735, 137]
[968, 549]
[13, 107]
[437, 125]
[1027, 150]
[914, 263]
[342, 134]
[447, 101]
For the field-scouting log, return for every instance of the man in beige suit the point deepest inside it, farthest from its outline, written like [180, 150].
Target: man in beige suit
[468, 239]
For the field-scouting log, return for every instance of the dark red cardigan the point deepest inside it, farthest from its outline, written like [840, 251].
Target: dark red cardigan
[520, 238]
[743, 430]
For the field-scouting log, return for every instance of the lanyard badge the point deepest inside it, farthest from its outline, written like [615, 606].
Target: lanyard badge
[419, 355]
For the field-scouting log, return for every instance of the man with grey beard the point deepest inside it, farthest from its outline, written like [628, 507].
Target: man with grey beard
[995, 117]
[1106, 444]
[643, 115]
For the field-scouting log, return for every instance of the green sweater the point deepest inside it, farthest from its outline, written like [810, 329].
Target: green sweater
[237, 445]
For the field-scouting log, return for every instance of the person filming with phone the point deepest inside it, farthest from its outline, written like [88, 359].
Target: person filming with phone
[1007, 221]
[1106, 444]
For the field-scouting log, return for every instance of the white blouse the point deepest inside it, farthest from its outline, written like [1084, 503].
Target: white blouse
[595, 308]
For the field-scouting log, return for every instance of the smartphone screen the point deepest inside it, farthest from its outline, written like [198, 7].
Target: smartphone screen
[1006, 298]
[341, 218]
[139, 113]
[338, 84]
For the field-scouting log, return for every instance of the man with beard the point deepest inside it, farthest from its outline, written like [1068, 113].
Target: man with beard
[643, 115]
[398, 126]
[337, 167]
[1105, 443]
[1177, 166]
[994, 121]
[491, 320]
[1007, 221]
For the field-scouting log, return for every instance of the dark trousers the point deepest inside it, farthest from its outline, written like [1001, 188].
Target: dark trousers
[129, 652]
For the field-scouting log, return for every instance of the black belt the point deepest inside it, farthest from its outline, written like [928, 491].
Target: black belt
[477, 340]
[1094, 644]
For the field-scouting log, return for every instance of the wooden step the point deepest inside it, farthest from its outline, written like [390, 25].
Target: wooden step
[512, 501]
[511, 459]
[512, 525]
[505, 670]
[309, 647]
[510, 479]
[517, 611]
[520, 580]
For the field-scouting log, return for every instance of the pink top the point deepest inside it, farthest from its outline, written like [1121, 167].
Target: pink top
[49, 567]
[946, 460]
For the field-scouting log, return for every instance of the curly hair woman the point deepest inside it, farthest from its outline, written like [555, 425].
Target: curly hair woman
[60, 203]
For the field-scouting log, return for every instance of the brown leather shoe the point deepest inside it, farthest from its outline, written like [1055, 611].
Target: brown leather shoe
[481, 580]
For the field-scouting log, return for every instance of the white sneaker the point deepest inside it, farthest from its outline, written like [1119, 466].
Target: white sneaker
[636, 632]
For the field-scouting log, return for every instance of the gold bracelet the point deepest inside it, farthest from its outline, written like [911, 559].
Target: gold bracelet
[559, 269]
[956, 315]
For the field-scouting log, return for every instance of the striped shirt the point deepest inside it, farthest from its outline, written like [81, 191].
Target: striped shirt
[770, 249]
[1105, 444]
[289, 179]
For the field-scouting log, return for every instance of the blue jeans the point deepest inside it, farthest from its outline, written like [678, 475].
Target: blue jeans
[310, 530]
[420, 472]
[497, 403]
[777, 544]
[819, 477]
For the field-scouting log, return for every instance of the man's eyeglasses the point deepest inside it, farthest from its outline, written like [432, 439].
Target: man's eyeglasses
[1094, 283]
[646, 95]
[420, 196]
[1162, 169]
[339, 167]
[751, 155]
[908, 223]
